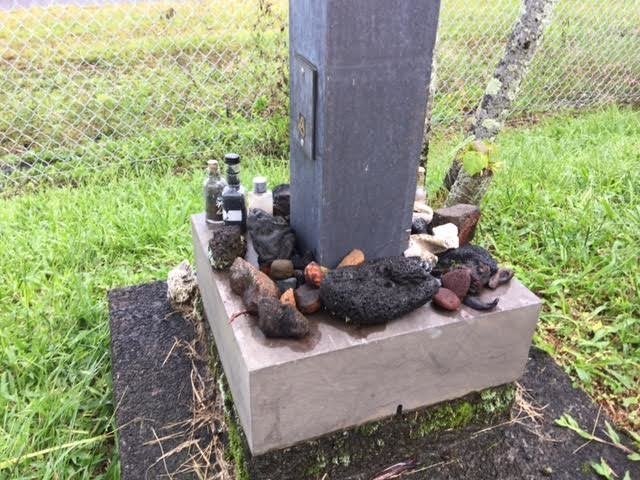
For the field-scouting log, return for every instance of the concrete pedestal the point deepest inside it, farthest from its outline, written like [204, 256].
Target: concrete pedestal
[287, 391]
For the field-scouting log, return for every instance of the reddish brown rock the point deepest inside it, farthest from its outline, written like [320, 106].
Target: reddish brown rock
[463, 216]
[252, 284]
[314, 274]
[288, 298]
[355, 258]
[308, 299]
[458, 281]
[447, 300]
[281, 321]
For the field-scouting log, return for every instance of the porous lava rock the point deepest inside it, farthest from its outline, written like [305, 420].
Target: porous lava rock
[464, 216]
[420, 225]
[226, 244]
[308, 299]
[379, 290]
[281, 269]
[354, 258]
[276, 320]
[251, 284]
[458, 281]
[282, 201]
[271, 235]
[447, 300]
[479, 261]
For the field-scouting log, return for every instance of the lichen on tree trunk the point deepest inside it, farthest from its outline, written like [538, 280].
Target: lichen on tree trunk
[501, 92]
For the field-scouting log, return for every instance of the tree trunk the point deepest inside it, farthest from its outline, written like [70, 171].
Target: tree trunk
[499, 96]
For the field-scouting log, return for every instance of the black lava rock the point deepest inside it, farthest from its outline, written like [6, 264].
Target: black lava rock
[300, 262]
[378, 291]
[420, 225]
[281, 321]
[477, 259]
[226, 244]
[272, 237]
[282, 201]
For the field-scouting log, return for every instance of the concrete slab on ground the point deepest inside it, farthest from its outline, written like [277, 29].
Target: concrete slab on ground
[288, 391]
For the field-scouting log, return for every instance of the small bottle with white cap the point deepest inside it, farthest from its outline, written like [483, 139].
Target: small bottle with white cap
[261, 197]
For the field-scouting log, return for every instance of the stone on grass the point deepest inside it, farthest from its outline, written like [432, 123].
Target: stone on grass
[287, 283]
[464, 216]
[378, 291]
[458, 281]
[252, 284]
[355, 258]
[281, 321]
[446, 299]
[288, 298]
[182, 286]
[308, 299]
[448, 233]
[281, 269]
[272, 237]
[314, 274]
[282, 201]
[226, 244]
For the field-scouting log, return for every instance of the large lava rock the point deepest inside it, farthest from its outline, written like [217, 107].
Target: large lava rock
[272, 237]
[378, 291]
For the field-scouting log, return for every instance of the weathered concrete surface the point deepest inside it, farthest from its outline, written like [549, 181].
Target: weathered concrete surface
[359, 76]
[287, 391]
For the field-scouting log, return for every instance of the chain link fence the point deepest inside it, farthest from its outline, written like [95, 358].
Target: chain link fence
[110, 85]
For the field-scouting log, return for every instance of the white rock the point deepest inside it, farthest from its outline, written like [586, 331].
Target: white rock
[423, 210]
[448, 233]
[419, 247]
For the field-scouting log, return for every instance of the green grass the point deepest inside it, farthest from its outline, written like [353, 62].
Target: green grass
[80, 86]
[564, 212]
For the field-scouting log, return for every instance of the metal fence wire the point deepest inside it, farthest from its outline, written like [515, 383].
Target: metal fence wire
[101, 82]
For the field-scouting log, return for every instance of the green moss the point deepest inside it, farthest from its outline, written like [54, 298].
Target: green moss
[236, 449]
[318, 467]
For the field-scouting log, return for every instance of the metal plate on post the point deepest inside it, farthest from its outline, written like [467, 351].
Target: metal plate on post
[304, 78]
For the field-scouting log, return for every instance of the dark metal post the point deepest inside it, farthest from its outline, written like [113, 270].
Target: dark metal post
[360, 70]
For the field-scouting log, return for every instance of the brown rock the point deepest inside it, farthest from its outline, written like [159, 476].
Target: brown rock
[314, 274]
[446, 300]
[355, 258]
[463, 216]
[281, 321]
[458, 281]
[281, 269]
[308, 299]
[288, 298]
[252, 284]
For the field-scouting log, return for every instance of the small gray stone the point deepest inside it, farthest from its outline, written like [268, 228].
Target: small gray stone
[281, 269]
[287, 283]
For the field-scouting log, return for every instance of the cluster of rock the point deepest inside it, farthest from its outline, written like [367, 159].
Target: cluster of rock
[442, 239]
[288, 285]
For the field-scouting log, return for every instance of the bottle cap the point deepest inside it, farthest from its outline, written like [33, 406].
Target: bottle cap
[232, 159]
[213, 166]
[259, 184]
